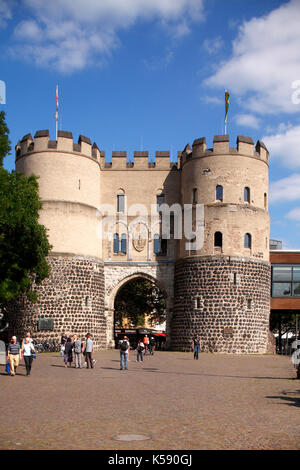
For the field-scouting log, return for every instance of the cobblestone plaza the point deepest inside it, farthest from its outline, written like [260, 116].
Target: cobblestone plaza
[177, 403]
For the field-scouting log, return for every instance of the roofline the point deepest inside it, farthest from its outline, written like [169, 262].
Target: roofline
[284, 251]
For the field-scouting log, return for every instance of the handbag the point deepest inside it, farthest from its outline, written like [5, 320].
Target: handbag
[33, 355]
[7, 368]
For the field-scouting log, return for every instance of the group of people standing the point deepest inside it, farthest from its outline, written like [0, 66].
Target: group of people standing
[74, 344]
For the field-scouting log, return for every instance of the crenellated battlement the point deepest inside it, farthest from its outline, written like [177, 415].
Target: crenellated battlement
[120, 161]
[64, 143]
[244, 146]
[140, 159]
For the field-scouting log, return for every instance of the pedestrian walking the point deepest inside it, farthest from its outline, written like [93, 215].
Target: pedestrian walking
[152, 345]
[146, 343]
[124, 353]
[196, 346]
[26, 336]
[89, 349]
[68, 353]
[27, 351]
[63, 341]
[77, 352]
[140, 348]
[14, 355]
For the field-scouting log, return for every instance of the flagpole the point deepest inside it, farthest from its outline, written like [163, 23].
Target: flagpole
[56, 114]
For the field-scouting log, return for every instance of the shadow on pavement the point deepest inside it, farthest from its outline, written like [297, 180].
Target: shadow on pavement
[215, 375]
[288, 400]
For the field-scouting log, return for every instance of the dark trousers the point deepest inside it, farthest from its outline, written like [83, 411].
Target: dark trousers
[88, 358]
[28, 362]
[139, 356]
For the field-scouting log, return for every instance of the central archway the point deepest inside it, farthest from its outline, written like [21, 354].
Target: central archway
[139, 311]
[126, 282]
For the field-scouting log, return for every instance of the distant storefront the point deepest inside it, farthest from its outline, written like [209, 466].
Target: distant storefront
[135, 335]
[285, 293]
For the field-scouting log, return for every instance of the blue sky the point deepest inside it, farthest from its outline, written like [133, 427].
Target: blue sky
[151, 74]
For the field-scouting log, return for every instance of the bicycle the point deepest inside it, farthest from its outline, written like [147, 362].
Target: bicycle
[38, 347]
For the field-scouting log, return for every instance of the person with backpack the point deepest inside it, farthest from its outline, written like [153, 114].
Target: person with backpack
[124, 353]
[140, 349]
[77, 352]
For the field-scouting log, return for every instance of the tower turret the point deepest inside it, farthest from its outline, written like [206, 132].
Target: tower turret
[222, 285]
[69, 188]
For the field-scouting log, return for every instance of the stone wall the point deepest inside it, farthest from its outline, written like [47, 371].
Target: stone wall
[224, 299]
[73, 296]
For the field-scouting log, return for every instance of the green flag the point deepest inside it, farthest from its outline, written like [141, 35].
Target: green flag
[226, 105]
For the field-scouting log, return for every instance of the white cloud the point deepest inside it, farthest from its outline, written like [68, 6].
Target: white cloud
[285, 146]
[265, 61]
[212, 46]
[159, 63]
[6, 11]
[285, 190]
[247, 120]
[212, 100]
[294, 214]
[29, 30]
[71, 34]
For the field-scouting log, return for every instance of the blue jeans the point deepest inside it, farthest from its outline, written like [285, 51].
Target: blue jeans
[139, 356]
[124, 357]
[196, 352]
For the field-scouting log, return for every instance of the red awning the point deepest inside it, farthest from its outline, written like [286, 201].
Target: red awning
[159, 334]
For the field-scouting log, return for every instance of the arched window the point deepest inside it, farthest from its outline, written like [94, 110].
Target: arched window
[120, 202]
[265, 201]
[218, 241]
[157, 244]
[219, 193]
[116, 243]
[195, 196]
[123, 243]
[247, 240]
[247, 194]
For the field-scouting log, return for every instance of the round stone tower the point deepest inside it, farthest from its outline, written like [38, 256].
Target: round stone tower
[72, 298]
[222, 284]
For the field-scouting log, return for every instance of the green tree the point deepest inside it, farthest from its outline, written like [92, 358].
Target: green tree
[5, 147]
[137, 299]
[23, 241]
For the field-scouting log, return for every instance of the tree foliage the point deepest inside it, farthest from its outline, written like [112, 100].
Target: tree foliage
[5, 147]
[137, 299]
[23, 241]
[284, 322]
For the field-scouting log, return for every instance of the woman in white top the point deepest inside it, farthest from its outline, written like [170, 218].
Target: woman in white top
[27, 350]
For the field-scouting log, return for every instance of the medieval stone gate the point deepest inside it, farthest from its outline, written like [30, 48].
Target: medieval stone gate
[116, 276]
